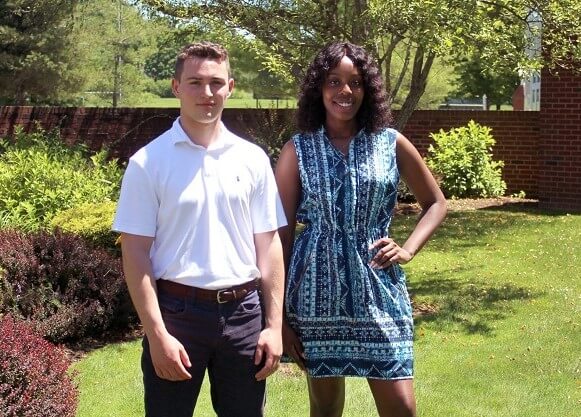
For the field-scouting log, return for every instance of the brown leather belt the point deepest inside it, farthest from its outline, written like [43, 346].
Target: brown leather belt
[218, 296]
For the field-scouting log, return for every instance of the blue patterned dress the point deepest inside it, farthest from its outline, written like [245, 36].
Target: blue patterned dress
[351, 319]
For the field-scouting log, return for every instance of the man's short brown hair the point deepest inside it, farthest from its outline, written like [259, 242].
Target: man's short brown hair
[201, 50]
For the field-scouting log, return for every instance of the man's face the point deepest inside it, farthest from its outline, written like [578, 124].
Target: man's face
[202, 90]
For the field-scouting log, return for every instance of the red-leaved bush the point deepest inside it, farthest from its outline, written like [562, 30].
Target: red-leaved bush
[65, 286]
[33, 374]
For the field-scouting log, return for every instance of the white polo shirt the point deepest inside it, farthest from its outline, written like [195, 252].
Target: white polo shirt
[201, 206]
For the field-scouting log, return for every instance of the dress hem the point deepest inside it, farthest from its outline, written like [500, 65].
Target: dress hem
[395, 378]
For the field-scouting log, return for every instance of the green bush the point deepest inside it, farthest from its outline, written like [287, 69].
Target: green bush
[91, 221]
[404, 195]
[269, 129]
[160, 88]
[462, 157]
[40, 176]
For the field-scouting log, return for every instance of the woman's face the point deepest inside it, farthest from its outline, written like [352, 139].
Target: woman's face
[343, 92]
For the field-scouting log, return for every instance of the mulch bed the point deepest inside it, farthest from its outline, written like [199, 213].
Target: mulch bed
[78, 350]
[474, 204]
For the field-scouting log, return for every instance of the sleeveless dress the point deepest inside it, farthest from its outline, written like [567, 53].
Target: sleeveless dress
[352, 320]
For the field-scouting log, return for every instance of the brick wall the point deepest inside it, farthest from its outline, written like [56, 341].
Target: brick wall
[125, 130]
[516, 134]
[560, 144]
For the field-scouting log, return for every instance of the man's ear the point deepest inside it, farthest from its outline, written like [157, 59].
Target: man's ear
[175, 87]
[230, 86]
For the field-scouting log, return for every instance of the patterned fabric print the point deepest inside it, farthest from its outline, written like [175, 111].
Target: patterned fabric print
[352, 320]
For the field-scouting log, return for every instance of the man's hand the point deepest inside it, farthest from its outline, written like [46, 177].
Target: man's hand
[167, 354]
[271, 267]
[269, 347]
[169, 358]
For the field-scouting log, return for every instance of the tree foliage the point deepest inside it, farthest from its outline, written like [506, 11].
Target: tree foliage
[249, 73]
[476, 78]
[413, 32]
[37, 54]
[115, 40]
[160, 65]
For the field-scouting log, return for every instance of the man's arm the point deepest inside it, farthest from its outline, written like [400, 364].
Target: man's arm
[168, 354]
[270, 264]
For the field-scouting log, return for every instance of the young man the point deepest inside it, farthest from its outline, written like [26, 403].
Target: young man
[199, 213]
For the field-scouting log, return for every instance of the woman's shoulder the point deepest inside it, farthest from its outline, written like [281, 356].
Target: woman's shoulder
[388, 134]
[307, 135]
[302, 137]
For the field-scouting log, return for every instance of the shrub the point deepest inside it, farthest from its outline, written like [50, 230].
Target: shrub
[92, 221]
[40, 175]
[269, 129]
[33, 374]
[160, 88]
[68, 288]
[463, 159]
[404, 195]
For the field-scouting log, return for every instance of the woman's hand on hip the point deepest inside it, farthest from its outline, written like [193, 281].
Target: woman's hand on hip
[388, 253]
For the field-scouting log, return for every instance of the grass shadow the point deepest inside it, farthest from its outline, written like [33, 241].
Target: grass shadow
[467, 229]
[472, 306]
[531, 207]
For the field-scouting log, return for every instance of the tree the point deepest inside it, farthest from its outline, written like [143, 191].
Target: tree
[160, 65]
[289, 32]
[244, 59]
[37, 58]
[115, 39]
[269, 86]
[476, 78]
[439, 84]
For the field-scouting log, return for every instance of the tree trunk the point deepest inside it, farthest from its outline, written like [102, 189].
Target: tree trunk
[117, 67]
[360, 32]
[385, 61]
[419, 81]
[20, 96]
[404, 69]
[116, 92]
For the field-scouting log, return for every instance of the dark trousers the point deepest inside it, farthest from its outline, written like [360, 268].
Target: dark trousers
[219, 338]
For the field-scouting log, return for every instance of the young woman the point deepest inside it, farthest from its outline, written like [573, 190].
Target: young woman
[348, 311]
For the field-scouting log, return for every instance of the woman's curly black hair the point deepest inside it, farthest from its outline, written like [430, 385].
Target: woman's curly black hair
[374, 113]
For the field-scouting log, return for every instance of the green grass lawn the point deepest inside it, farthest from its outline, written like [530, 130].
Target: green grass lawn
[501, 336]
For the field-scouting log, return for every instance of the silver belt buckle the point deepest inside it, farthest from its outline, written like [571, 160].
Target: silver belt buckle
[219, 298]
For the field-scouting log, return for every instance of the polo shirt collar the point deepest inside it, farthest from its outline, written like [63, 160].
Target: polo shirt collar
[179, 135]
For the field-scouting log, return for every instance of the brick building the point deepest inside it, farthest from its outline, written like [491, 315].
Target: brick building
[559, 141]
